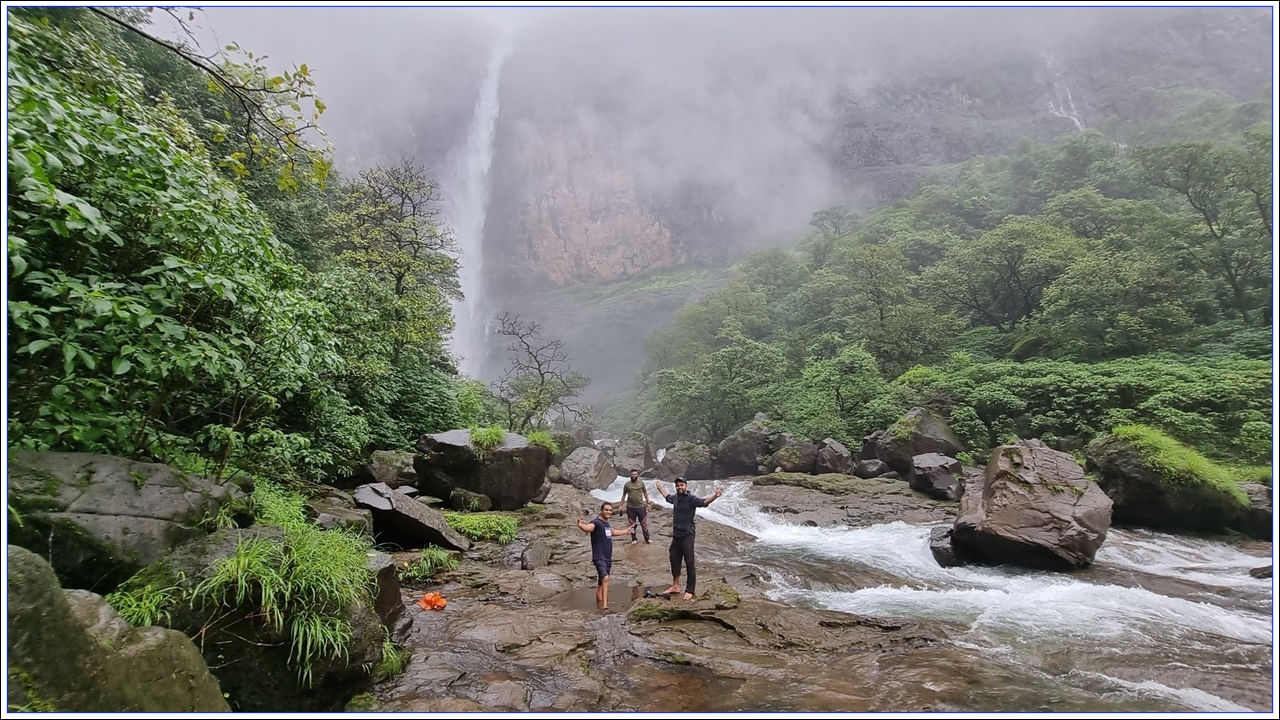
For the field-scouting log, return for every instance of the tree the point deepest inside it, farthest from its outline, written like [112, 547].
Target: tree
[539, 381]
[831, 224]
[1000, 276]
[1224, 191]
[387, 223]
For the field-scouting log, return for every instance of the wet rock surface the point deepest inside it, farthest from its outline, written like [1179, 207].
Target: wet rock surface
[512, 639]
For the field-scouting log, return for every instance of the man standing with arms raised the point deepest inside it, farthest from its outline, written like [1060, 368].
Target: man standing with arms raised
[683, 505]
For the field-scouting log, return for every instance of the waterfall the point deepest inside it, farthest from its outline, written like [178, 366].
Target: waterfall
[469, 202]
[1065, 105]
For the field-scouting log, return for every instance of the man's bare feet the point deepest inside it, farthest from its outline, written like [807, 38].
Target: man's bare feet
[688, 596]
[672, 589]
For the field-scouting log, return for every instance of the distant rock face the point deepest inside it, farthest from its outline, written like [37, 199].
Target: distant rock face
[69, 651]
[1035, 508]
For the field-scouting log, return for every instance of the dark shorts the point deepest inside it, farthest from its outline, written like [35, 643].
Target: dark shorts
[602, 570]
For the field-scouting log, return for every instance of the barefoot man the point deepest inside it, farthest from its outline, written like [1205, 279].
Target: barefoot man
[683, 505]
[602, 550]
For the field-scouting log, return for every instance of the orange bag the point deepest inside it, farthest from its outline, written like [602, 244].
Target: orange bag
[432, 601]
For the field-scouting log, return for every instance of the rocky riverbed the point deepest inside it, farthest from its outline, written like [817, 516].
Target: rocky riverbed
[512, 639]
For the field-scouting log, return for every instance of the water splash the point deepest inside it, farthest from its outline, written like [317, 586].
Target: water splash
[468, 208]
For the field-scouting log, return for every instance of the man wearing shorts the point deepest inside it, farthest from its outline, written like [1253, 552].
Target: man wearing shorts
[602, 550]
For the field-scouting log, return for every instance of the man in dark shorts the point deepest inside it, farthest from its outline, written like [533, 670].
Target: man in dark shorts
[683, 505]
[602, 550]
[636, 496]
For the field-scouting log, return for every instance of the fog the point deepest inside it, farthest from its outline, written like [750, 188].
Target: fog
[754, 117]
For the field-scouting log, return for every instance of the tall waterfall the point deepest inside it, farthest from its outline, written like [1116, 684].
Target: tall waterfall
[469, 195]
[1065, 106]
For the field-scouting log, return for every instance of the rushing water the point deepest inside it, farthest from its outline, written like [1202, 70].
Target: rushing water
[1159, 620]
[469, 203]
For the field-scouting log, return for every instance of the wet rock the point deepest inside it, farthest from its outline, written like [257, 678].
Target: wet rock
[588, 469]
[1263, 572]
[935, 475]
[833, 457]
[69, 651]
[870, 468]
[1035, 509]
[406, 522]
[99, 519]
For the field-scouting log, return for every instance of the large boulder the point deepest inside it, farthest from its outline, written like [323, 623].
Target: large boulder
[1035, 508]
[1151, 490]
[833, 457]
[917, 433]
[255, 664]
[510, 474]
[334, 509]
[936, 475]
[99, 519]
[871, 468]
[745, 451]
[688, 460]
[793, 455]
[69, 651]
[634, 452]
[588, 469]
[401, 520]
[393, 468]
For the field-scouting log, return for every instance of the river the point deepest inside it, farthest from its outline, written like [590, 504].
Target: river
[1159, 622]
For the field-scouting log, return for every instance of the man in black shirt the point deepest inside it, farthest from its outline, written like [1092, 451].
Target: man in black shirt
[683, 505]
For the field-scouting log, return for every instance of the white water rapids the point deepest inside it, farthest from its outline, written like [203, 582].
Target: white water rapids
[1160, 619]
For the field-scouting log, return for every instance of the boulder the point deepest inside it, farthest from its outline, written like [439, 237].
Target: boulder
[588, 469]
[386, 601]
[69, 651]
[1035, 508]
[462, 499]
[870, 468]
[693, 462]
[833, 457]
[1255, 520]
[1262, 572]
[918, 432]
[330, 508]
[793, 454]
[535, 554]
[542, 492]
[942, 548]
[510, 474]
[253, 662]
[634, 452]
[99, 519]
[935, 475]
[742, 452]
[393, 468]
[406, 522]
[1150, 494]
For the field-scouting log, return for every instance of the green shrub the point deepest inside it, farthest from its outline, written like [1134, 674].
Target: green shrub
[1178, 462]
[142, 602]
[432, 560]
[483, 526]
[542, 438]
[488, 438]
[1255, 440]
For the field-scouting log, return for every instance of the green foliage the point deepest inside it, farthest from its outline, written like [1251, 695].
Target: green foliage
[1178, 462]
[542, 438]
[488, 438]
[432, 560]
[1256, 440]
[151, 310]
[394, 658]
[142, 601]
[483, 526]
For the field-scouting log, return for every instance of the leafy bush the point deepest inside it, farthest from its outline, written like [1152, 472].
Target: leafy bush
[542, 438]
[488, 438]
[483, 526]
[432, 560]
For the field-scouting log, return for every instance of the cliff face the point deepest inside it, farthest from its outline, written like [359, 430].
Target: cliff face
[581, 218]
[598, 179]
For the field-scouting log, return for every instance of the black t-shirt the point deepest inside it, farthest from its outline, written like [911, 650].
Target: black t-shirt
[682, 508]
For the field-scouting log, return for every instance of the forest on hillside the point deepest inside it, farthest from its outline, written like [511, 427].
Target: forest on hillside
[191, 282]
